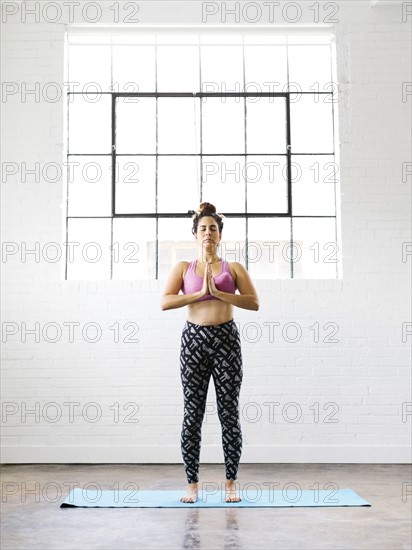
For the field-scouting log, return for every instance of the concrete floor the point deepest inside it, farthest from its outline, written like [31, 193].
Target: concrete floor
[35, 520]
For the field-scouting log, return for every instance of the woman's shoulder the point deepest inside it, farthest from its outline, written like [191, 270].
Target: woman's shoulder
[235, 265]
[180, 267]
[237, 269]
[183, 266]
[232, 270]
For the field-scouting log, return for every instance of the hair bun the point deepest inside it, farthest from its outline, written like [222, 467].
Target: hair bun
[206, 207]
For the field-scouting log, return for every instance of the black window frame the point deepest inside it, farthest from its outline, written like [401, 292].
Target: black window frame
[246, 215]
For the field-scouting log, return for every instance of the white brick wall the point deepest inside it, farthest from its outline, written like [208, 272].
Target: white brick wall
[365, 377]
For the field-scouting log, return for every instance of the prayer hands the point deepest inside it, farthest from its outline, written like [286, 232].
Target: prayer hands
[211, 283]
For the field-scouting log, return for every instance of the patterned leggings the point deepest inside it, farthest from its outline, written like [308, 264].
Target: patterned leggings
[211, 350]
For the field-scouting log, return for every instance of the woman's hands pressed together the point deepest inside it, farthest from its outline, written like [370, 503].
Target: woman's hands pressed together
[205, 288]
[212, 287]
[209, 286]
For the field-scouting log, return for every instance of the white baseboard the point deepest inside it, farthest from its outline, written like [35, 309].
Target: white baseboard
[343, 454]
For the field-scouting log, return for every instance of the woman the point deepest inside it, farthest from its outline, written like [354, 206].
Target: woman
[210, 344]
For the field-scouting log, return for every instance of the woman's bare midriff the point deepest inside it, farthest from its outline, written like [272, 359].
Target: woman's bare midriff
[210, 312]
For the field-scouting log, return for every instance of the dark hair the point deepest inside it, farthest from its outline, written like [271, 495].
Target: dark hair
[206, 209]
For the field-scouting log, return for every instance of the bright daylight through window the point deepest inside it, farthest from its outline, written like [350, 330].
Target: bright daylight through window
[158, 122]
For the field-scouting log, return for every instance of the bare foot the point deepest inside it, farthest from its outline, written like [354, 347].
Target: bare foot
[231, 495]
[191, 493]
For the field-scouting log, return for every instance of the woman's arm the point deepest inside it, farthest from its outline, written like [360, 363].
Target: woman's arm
[248, 297]
[171, 299]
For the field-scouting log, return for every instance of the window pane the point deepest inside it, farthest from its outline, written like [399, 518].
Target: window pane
[310, 67]
[216, 36]
[223, 125]
[232, 246]
[311, 125]
[135, 65]
[135, 185]
[179, 36]
[313, 185]
[266, 36]
[309, 36]
[76, 36]
[178, 125]
[90, 186]
[316, 251]
[178, 183]
[134, 243]
[268, 245]
[91, 252]
[90, 124]
[178, 69]
[224, 182]
[266, 125]
[176, 242]
[136, 125]
[265, 68]
[89, 64]
[222, 68]
[267, 189]
[131, 38]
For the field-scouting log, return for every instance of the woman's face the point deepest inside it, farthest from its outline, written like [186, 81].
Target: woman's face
[208, 232]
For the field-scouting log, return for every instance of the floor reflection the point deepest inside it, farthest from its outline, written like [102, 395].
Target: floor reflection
[192, 537]
[231, 537]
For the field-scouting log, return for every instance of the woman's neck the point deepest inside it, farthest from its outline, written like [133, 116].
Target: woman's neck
[212, 258]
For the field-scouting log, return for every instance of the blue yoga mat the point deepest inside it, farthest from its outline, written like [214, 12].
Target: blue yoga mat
[251, 498]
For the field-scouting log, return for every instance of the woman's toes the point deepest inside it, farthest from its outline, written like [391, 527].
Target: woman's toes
[233, 499]
[188, 498]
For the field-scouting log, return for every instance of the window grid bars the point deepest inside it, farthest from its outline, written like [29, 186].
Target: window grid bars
[246, 215]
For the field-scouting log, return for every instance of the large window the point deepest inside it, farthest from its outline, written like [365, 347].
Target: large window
[159, 121]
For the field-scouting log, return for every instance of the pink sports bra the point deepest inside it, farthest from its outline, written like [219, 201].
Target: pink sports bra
[193, 282]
